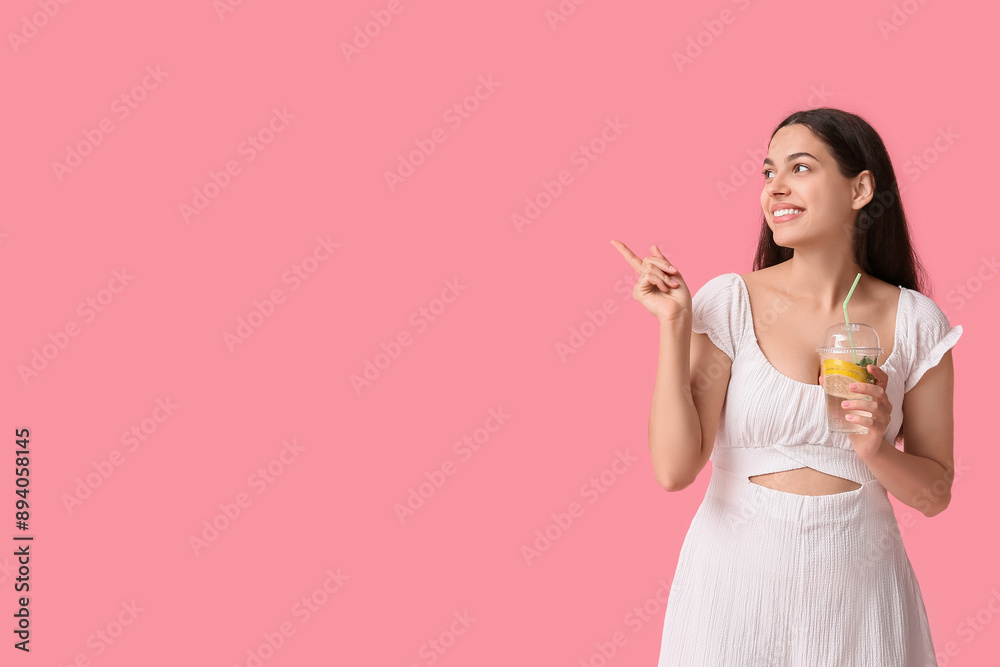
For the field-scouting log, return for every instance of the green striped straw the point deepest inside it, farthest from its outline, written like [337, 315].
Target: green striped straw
[848, 321]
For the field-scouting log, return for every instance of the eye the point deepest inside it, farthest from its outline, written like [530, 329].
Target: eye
[765, 172]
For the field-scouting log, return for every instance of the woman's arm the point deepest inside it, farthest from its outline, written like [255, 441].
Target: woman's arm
[922, 474]
[691, 382]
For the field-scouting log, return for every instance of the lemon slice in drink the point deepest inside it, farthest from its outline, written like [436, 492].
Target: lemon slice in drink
[841, 363]
[853, 375]
[839, 385]
[840, 367]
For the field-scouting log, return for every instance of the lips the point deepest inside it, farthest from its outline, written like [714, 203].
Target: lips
[786, 216]
[777, 206]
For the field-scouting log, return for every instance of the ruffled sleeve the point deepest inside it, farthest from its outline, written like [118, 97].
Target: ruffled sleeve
[929, 335]
[715, 312]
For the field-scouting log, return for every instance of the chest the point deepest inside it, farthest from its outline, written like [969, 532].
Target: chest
[787, 336]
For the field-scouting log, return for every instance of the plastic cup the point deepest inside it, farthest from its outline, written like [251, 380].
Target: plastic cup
[844, 354]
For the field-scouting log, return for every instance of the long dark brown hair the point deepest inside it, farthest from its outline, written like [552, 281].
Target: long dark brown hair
[881, 236]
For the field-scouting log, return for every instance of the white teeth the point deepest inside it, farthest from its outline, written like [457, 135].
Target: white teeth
[787, 211]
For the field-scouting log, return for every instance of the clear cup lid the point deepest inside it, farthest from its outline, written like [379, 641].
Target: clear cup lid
[861, 337]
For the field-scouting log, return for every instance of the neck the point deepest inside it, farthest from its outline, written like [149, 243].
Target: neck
[822, 275]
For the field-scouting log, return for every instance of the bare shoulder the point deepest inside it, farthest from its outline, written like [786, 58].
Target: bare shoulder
[762, 277]
[884, 292]
[880, 285]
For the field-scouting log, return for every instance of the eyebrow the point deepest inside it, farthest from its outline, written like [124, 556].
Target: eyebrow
[791, 157]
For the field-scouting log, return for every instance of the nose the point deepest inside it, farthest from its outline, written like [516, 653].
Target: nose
[776, 186]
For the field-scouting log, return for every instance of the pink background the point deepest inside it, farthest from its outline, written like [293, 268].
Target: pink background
[330, 508]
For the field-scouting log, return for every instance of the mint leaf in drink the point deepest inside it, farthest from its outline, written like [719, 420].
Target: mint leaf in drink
[870, 379]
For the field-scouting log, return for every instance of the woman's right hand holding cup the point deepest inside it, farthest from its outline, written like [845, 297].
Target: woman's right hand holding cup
[660, 288]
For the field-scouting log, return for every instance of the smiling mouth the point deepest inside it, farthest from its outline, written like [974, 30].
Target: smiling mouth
[784, 215]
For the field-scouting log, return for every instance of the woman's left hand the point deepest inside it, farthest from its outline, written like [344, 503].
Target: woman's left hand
[867, 445]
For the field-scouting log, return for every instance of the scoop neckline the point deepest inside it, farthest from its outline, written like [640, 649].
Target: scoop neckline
[746, 300]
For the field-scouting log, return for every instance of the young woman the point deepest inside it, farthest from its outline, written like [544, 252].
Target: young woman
[795, 557]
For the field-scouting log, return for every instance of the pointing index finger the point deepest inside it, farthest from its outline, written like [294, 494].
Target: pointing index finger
[629, 256]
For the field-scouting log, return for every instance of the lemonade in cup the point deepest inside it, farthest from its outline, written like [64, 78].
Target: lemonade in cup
[845, 353]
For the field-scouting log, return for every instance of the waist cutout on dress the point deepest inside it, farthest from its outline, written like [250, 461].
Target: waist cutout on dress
[750, 461]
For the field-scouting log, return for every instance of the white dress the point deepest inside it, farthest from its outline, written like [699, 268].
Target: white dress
[768, 578]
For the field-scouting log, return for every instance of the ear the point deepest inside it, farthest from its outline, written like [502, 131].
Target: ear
[863, 190]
